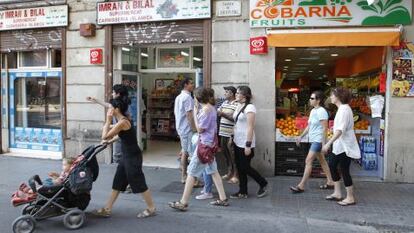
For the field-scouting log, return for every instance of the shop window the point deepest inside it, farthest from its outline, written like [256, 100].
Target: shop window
[197, 57]
[129, 59]
[33, 58]
[56, 58]
[10, 58]
[38, 103]
[147, 56]
[174, 58]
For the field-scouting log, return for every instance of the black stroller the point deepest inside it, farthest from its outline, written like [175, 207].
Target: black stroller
[68, 199]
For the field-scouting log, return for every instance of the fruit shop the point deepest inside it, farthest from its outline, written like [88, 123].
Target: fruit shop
[372, 62]
[300, 71]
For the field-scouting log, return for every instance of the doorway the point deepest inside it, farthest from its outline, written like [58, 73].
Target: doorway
[153, 75]
[299, 72]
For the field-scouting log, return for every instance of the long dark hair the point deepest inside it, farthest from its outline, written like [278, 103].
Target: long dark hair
[246, 92]
[121, 103]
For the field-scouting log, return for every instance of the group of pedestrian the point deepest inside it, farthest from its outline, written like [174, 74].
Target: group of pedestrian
[197, 124]
[237, 141]
[343, 142]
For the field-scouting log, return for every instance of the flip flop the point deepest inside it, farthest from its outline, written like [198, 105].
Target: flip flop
[147, 213]
[326, 186]
[343, 203]
[296, 189]
[332, 198]
[102, 212]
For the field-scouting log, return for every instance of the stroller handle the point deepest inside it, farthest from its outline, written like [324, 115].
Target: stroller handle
[97, 149]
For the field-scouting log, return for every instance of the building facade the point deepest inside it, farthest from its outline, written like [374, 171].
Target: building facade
[217, 41]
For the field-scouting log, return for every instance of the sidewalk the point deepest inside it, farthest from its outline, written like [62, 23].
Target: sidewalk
[381, 207]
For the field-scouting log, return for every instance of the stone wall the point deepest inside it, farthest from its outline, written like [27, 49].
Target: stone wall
[84, 119]
[400, 156]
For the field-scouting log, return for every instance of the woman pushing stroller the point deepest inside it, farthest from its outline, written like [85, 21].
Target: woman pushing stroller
[129, 170]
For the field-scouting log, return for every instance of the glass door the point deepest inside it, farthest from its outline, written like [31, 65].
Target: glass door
[36, 110]
[132, 81]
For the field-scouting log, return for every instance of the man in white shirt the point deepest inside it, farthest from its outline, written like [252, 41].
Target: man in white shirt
[184, 122]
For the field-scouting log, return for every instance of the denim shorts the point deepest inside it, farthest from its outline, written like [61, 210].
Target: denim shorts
[316, 147]
[185, 141]
[196, 168]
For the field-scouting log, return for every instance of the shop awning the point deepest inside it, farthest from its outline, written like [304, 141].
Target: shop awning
[334, 37]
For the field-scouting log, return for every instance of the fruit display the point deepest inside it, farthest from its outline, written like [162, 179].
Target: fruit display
[362, 125]
[287, 126]
[359, 104]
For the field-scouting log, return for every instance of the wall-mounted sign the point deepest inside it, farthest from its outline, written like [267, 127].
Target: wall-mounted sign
[95, 56]
[321, 13]
[40, 17]
[151, 10]
[228, 8]
[258, 45]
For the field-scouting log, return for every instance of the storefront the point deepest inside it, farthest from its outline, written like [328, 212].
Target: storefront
[32, 79]
[154, 46]
[359, 57]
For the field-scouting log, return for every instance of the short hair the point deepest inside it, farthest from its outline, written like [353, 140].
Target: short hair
[212, 100]
[343, 94]
[246, 92]
[203, 95]
[185, 81]
[319, 96]
[120, 89]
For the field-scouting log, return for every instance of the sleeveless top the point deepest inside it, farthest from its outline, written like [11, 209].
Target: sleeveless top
[129, 143]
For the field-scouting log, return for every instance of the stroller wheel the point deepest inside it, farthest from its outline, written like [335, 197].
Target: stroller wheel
[74, 219]
[24, 224]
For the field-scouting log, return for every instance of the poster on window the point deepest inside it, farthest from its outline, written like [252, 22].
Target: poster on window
[174, 58]
[402, 79]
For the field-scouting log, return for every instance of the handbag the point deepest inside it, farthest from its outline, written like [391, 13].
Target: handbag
[206, 153]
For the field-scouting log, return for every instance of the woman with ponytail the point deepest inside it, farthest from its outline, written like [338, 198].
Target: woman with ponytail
[244, 143]
[129, 170]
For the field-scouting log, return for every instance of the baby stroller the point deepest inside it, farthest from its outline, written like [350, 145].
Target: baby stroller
[69, 198]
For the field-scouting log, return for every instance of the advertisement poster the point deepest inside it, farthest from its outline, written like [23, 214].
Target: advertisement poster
[402, 75]
[151, 10]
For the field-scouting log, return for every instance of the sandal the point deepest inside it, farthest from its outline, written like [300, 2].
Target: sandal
[238, 196]
[219, 202]
[102, 212]
[296, 189]
[343, 203]
[233, 180]
[333, 198]
[178, 206]
[326, 186]
[146, 213]
[225, 177]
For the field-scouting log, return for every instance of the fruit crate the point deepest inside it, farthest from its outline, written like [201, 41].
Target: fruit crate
[280, 137]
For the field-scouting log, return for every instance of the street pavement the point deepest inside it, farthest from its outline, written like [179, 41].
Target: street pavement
[382, 207]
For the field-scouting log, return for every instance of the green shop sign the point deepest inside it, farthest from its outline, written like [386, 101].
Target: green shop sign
[329, 13]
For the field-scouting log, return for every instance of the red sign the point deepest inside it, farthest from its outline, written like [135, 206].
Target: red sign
[95, 56]
[258, 45]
